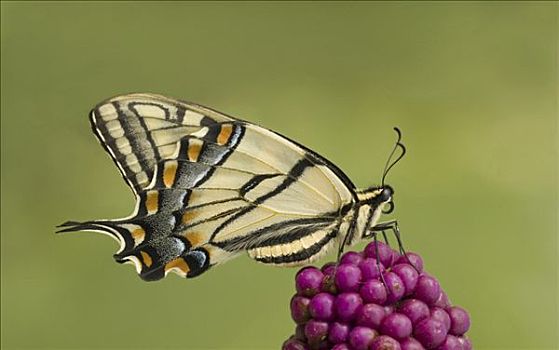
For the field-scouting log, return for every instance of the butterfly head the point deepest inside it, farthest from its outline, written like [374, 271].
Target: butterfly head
[379, 198]
[385, 199]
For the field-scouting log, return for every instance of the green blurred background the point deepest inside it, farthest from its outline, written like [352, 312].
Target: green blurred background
[473, 86]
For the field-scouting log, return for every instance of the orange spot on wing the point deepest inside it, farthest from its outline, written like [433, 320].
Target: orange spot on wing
[188, 216]
[138, 235]
[146, 258]
[195, 238]
[224, 134]
[179, 263]
[152, 199]
[169, 173]
[194, 151]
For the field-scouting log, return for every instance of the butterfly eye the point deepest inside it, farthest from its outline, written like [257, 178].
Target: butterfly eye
[389, 209]
[386, 194]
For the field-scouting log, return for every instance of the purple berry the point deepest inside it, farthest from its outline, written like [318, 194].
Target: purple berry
[300, 309]
[412, 259]
[385, 253]
[370, 315]
[293, 344]
[395, 286]
[385, 342]
[396, 325]
[441, 315]
[443, 301]
[316, 331]
[451, 343]
[430, 333]
[352, 258]
[308, 280]
[346, 306]
[348, 278]
[375, 299]
[370, 269]
[427, 289]
[341, 347]
[459, 320]
[321, 307]
[415, 310]
[466, 343]
[373, 291]
[408, 275]
[360, 338]
[338, 332]
[389, 309]
[329, 268]
[411, 344]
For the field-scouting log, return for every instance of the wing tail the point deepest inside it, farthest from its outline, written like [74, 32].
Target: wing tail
[153, 253]
[114, 229]
[102, 226]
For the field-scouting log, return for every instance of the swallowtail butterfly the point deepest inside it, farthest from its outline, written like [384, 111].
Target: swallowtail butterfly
[209, 187]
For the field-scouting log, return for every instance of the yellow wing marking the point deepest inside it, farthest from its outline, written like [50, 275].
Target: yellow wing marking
[152, 201]
[146, 258]
[169, 173]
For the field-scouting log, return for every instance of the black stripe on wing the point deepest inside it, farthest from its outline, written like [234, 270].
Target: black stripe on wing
[296, 171]
[109, 144]
[141, 143]
[197, 157]
[278, 233]
[138, 131]
[318, 159]
[142, 123]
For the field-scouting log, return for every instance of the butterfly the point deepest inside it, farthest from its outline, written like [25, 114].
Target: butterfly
[209, 187]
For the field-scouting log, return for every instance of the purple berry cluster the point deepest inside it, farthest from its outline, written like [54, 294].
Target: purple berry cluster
[374, 300]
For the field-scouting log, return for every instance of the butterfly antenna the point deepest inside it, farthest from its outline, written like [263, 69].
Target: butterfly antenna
[389, 165]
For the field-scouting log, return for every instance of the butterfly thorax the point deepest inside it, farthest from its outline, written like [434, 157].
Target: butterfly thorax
[365, 213]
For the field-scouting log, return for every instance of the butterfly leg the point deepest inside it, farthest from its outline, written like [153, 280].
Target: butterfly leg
[378, 259]
[393, 226]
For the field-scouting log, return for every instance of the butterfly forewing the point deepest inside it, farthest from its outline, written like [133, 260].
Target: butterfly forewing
[138, 130]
